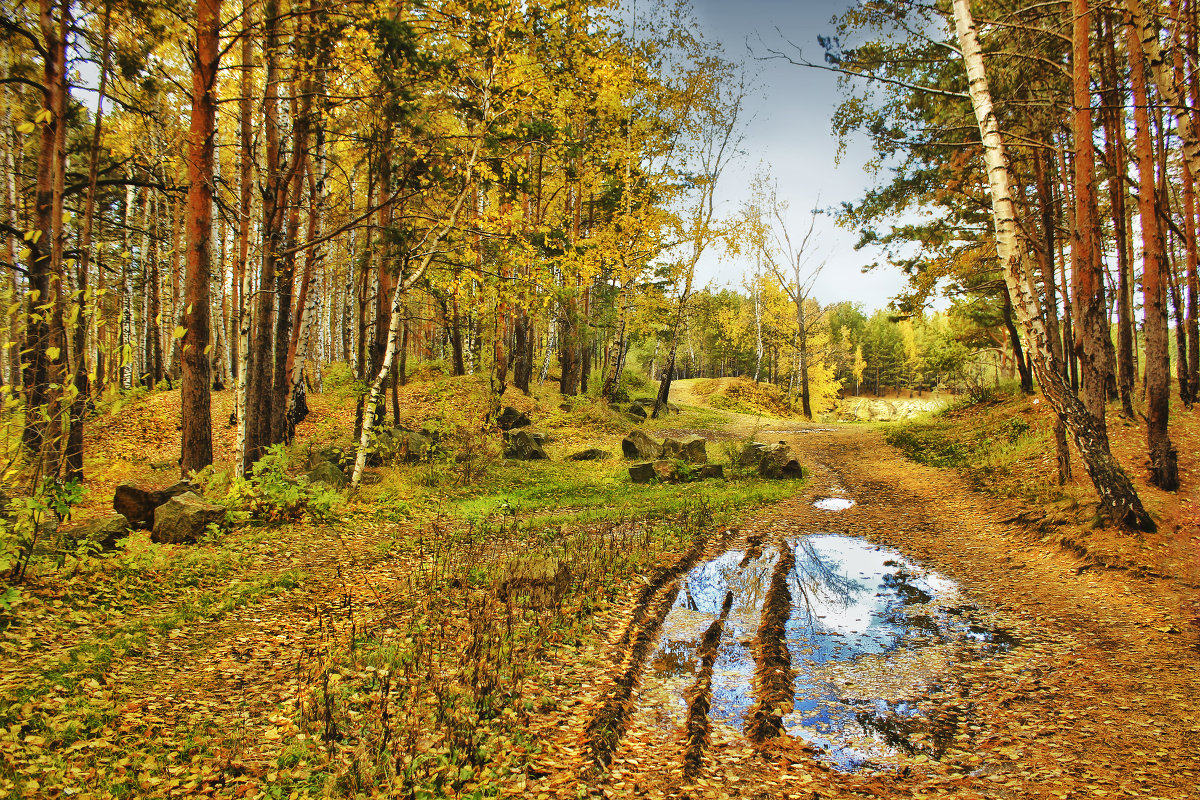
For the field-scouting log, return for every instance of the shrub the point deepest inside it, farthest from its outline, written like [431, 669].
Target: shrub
[270, 495]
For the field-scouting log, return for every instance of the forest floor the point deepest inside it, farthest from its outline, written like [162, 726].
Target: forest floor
[384, 654]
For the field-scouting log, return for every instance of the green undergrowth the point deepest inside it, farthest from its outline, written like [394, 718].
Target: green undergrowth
[438, 698]
[557, 493]
[89, 637]
[1002, 444]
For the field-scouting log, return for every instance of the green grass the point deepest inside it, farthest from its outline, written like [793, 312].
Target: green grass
[998, 447]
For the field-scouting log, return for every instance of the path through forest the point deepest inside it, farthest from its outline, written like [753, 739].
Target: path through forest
[1089, 688]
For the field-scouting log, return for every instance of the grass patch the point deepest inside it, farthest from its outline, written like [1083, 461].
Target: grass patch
[1001, 444]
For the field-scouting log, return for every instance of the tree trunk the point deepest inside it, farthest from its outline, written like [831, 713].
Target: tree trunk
[74, 451]
[1163, 462]
[259, 381]
[243, 275]
[1087, 279]
[195, 397]
[1117, 494]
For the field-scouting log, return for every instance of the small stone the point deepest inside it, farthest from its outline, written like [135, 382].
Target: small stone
[778, 462]
[642, 473]
[525, 446]
[137, 500]
[666, 471]
[328, 473]
[710, 471]
[690, 449]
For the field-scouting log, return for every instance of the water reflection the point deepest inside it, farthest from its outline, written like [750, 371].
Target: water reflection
[870, 635]
[834, 503]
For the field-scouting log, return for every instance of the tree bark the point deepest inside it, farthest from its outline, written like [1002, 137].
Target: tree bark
[197, 380]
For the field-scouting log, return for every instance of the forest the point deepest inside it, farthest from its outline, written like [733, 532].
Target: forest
[240, 234]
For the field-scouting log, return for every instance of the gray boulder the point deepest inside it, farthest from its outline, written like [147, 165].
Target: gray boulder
[591, 454]
[185, 518]
[328, 473]
[510, 419]
[639, 446]
[525, 446]
[690, 449]
[779, 462]
[137, 501]
[101, 533]
[751, 454]
[710, 471]
[662, 471]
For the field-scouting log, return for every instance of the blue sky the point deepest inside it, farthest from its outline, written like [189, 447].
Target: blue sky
[789, 132]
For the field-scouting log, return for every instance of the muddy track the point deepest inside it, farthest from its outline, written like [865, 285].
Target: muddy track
[774, 678]
[700, 696]
[607, 726]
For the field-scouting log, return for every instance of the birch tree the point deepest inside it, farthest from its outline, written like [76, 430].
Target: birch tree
[1117, 494]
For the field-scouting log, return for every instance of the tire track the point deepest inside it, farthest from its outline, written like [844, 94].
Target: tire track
[607, 726]
[774, 678]
[700, 696]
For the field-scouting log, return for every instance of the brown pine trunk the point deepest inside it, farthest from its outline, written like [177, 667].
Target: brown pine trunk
[195, 397]
[1163, 462]
[1087, 280]
[36, 361]
[1042, 167]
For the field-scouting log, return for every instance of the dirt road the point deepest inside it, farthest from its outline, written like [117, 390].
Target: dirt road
[1068, 681]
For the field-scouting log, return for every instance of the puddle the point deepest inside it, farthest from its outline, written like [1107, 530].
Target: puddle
[834, 503]
[871, 637]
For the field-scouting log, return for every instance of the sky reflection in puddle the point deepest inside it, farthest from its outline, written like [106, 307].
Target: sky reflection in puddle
[834, 503]
[870, 635]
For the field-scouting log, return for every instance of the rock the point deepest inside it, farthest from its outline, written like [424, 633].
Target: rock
[751, 454]
[642, 473]
[690, 449]
[541, 579]
[102, 533]
[158, 466]
[591, 454]
[864, 409]
[509, 419]
[409, 446]
[641, 446]
[185, 518]
[137, 500]
[637, 411]
[525, 446]
[779, 462]
[328, 473]
[328, 455]
[674, 409]
[710, 471]
[667, 471]
[664, 471]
